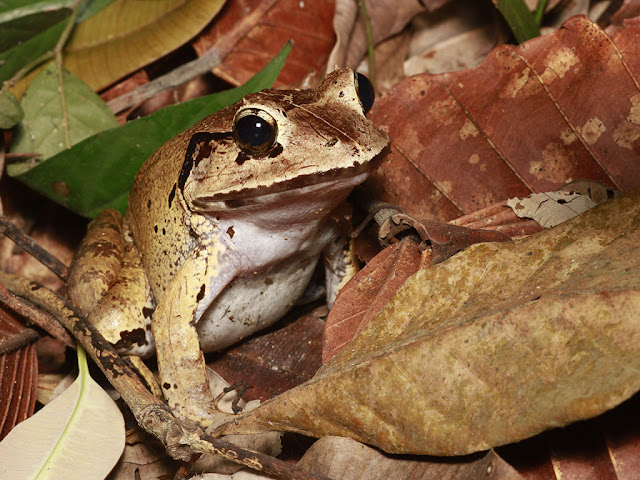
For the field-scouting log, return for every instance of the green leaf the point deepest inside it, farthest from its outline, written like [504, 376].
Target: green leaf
[91, 8]
[21, 29]
[98, 172]
[79, 435]
[42, 130]
[10, 111]
[25, 53]
[12, 9]
[520, 20]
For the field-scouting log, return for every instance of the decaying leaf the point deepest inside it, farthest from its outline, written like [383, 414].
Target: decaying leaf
[531, 118]
[494, 345]
[387, 18]
[268, 25]
[551, 208]
[367, 293]
[273, 363]
[341, 458]
[18, 377]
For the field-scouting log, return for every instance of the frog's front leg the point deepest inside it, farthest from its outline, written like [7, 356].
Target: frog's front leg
[199, 280]
[340, 265]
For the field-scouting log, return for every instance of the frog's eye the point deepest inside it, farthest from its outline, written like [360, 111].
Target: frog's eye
[255, 131]
[365, 91]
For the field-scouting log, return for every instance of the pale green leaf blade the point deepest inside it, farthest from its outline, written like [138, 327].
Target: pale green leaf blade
[42, 131]
[79, 435]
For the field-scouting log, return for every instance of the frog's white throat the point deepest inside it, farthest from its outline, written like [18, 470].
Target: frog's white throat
[273, 227]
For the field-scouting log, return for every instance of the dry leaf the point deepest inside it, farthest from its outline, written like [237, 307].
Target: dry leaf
[344, 459]
[274, 362]
[18, 377]
[460, 35]
[494, 345]
[126, 35]
[368, 292]
[531, 118]
[269, 25]
[388, 17]
[551, 208]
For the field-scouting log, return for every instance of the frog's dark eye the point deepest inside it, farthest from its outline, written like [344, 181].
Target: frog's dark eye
[255, 131]
[365, 92]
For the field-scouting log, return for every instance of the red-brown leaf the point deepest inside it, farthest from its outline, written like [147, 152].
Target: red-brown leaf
[531, 118]
[270, 25]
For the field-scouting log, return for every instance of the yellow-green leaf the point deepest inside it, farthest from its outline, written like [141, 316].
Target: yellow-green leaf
[129, 34]
[79, 435]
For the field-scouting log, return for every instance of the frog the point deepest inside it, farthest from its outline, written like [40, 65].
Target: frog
[225, 225]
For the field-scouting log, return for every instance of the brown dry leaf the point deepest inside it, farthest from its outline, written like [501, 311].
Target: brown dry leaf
[494, 345]
[551, 208]
[269, 25]
[368, 292]
[342, 458]
[144, 458]
[128, 35]
[460, 35]
[603, 448]
[530, 118]
[388, 17]
[274, 362]
[18, 378]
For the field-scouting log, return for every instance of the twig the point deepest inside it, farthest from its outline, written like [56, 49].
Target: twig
[41, 318]
[35, 250]
[181, 438]
[18, 340]
[60, 69]
[210, 59]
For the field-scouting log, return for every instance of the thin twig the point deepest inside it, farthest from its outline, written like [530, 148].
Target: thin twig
[39, 317]
[18, 340]
[33, 248]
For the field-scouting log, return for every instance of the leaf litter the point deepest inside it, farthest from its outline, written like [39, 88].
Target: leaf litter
[494, 345]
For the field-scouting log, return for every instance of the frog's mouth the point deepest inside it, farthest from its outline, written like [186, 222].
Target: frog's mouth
[327, 183]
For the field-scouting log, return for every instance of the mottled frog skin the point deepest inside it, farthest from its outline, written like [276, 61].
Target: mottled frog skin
[225, 225]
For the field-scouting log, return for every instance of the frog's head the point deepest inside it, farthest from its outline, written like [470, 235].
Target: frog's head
[279, 141]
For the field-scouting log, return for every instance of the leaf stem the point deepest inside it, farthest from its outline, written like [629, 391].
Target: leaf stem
[78, 4]
[537, 16]
[367, 28]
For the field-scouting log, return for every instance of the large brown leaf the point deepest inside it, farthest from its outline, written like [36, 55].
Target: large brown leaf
[557, 108]
[269, 25]
[492, 346]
